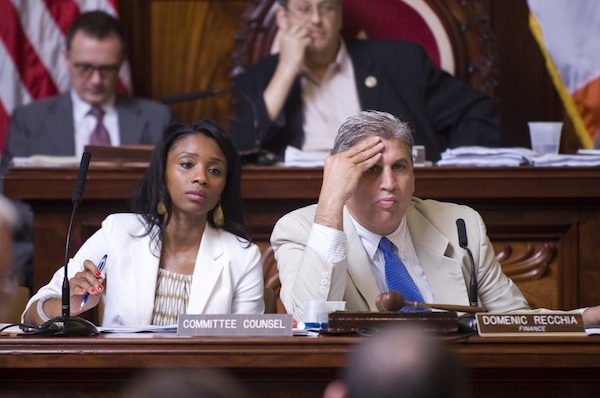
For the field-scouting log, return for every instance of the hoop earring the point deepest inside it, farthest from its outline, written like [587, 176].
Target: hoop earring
[218, 216]
[161, 209]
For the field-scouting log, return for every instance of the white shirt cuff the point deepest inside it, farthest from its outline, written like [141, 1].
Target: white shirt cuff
[330, 243]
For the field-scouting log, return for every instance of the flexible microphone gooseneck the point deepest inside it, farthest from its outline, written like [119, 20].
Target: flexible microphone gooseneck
[462, 242]
[193, 95]
[258, 156]
[65, 325]
[467, 322]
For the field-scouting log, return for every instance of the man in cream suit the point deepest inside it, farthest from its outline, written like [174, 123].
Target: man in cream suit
[64, 124]
[330, 250]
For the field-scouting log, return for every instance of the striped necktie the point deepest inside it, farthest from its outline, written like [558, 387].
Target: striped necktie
[99, 135]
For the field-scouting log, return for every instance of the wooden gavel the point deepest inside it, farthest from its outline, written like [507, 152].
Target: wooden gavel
[393, 301]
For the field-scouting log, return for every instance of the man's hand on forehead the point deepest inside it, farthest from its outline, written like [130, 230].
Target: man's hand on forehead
[366, 152]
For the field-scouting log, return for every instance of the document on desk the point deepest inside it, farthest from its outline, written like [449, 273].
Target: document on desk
[567, 160]
[138, 329]
[294, 157]
[484, 156]
[592, 329]
[9, 331]
[46, 161]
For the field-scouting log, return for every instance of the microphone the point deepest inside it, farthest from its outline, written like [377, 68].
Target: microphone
[258, 156]
[66, 325]
[467, 322]
[462, 242]
[193, 95]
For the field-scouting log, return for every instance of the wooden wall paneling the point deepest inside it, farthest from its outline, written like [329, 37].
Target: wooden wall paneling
[191, 45]
[525, 90]
[534, 267]
[589, 258]
[135, 16]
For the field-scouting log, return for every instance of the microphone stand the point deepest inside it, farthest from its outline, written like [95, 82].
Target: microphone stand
[467, 321]
[257, 156]
[194, 95]
[66, 325]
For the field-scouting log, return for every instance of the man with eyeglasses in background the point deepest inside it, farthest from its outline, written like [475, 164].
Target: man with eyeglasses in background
[317, 80]
[91, 113]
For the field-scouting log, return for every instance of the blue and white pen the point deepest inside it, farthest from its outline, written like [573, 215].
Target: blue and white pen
[100, 266]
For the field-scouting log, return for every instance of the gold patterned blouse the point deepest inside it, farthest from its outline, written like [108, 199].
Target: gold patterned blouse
[172, 296]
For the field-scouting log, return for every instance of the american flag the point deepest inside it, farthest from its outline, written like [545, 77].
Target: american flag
[32, 40]
[568, 32]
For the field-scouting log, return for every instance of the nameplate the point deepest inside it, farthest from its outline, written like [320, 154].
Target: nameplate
[190, 325]
[520, 324]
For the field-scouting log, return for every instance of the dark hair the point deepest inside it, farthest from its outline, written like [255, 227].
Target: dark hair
[152, 189]
[97, 24]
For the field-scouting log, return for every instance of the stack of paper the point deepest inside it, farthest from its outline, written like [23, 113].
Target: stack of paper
[138, 329]
[46, 161]
[588, 152]
[294, 157]
[567, 160]
[483, 156]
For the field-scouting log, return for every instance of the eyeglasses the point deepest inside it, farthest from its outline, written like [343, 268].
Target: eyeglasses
[325, 9]
[86, 70]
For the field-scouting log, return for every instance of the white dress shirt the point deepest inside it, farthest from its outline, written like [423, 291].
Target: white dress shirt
[85, 123]
[332, 245]
[328, 102]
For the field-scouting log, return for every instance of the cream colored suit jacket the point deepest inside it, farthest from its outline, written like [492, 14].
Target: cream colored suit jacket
[227, 277]
[304, 274]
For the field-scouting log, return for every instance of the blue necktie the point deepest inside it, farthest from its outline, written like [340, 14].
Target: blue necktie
[397, 276]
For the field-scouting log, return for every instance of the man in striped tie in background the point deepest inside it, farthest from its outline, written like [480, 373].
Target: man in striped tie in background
[92, 112]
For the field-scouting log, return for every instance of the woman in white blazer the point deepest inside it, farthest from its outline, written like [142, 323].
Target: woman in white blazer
[183, 250]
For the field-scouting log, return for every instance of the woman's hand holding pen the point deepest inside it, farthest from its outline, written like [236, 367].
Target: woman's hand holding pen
[89, 281]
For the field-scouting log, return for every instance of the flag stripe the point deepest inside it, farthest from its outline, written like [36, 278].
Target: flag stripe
[12, 91]
[34, 75]
[63, 13]
[46, 38]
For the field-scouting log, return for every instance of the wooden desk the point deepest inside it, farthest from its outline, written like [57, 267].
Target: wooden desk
[544, 222]
[284, 367]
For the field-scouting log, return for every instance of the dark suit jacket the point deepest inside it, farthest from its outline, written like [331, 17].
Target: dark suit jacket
[46, 127]
[442, 111]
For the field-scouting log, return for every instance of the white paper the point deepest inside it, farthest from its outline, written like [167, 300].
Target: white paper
[138, 329]
[567, 160]
[46, 161]
[593, 330]
[588, 152]
[294, 157]
[484, 156]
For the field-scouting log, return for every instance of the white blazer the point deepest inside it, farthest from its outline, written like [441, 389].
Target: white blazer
[227, 279]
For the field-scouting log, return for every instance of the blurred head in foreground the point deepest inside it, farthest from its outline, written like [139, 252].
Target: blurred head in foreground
[400, 362]
[185, 383]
